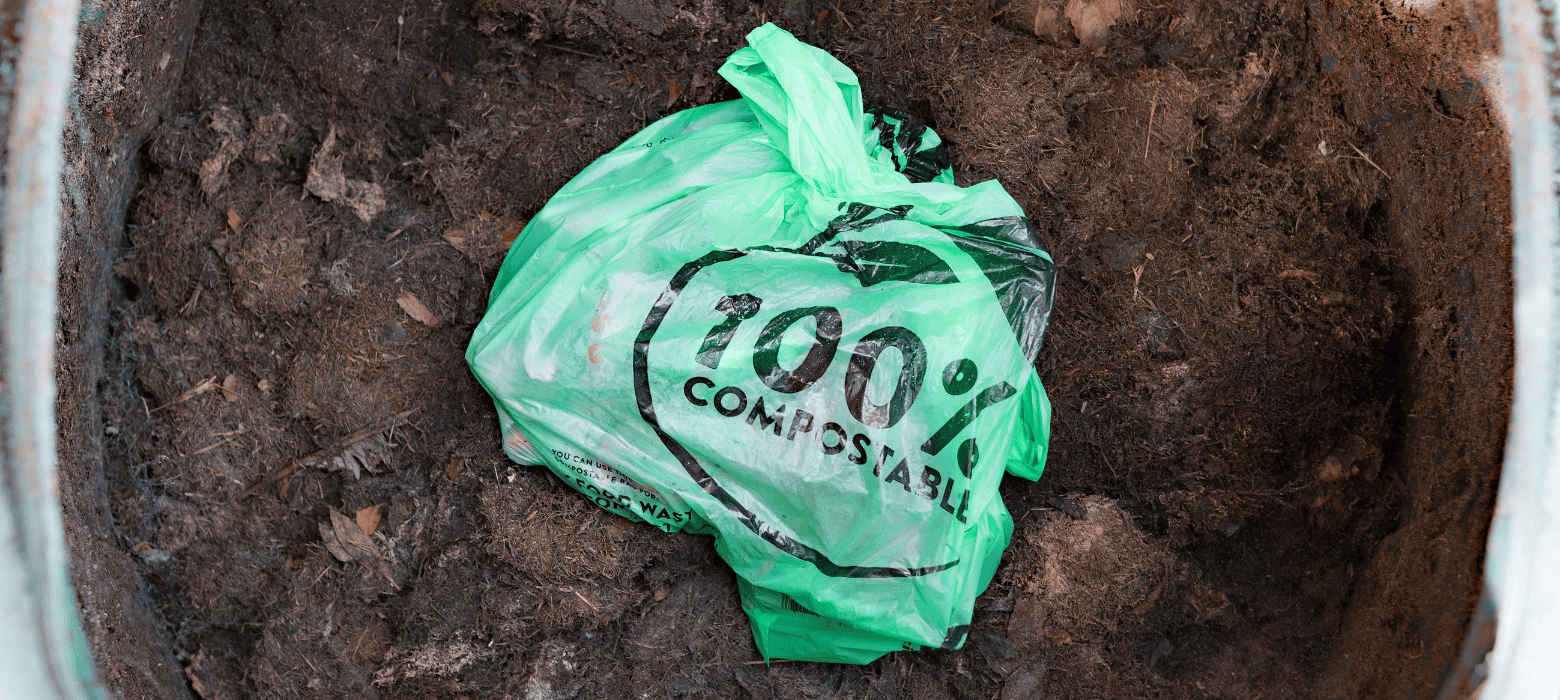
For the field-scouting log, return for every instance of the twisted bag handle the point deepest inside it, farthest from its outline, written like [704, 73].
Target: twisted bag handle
[810, 106]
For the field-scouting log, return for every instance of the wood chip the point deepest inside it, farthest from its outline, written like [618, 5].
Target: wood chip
[1306, 275]
[415, 308]
[234, 220]
[230, 388]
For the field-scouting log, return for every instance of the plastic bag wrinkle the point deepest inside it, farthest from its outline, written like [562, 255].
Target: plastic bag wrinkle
[778, 322]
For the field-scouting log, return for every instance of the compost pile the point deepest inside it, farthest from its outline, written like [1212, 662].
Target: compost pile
[313, 484]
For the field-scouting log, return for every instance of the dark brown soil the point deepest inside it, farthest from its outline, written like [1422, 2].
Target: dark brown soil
[1279, 358]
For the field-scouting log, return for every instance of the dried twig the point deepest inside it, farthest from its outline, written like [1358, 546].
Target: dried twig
[841, 14]
[573, 51]
[1368, 160]
[1153, 105]
[195, 391]
[400, 26]
[211, 447]
[333, 451]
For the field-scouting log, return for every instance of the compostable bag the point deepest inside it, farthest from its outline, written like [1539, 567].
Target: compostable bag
[776, 320]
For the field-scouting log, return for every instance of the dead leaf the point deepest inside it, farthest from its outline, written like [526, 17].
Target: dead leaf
[230, 388]
[1092, 19]
[368, 518]
[327, 182]
[674, 90]
[355, 543]
[618, 526]
[511, 233]
[456, 237]
[333, 545]
[234, 220]
[486, 237]
[352, 538]
[1046, 20]
[415, 308]
[1306, 275]
[367, 453]
[455, 466]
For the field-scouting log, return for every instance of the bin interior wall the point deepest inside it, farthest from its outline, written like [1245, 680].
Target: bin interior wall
[131, 54]
[1445, 211]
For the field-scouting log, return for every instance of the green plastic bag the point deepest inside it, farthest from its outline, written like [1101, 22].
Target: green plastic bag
[776, 320]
